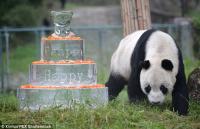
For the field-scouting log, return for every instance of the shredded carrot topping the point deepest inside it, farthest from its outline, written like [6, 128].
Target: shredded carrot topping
[29, 86]
[64, 62]
[62, 38]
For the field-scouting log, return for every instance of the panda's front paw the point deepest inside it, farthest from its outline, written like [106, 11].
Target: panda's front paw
[111, 97]
[136, 99]
[180, 103]
[182, 111]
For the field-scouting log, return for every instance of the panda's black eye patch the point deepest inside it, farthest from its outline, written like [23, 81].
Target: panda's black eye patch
[145, 64]
[147, 89]
[163, 89]
[167, 64]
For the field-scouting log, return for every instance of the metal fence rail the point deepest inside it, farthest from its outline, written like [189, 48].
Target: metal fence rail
[105, 38]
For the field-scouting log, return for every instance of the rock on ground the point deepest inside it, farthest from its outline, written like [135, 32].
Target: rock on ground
[194, 84]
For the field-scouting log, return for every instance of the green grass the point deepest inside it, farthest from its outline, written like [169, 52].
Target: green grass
[116, 115]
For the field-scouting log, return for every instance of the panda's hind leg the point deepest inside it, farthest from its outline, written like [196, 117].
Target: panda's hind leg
[115, 84]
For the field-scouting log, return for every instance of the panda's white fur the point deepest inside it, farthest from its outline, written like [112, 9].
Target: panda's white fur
[120, 61]
[159, 46]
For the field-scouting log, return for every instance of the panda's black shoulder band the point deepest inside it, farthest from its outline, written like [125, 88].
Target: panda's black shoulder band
[137, 57]
[139, 50]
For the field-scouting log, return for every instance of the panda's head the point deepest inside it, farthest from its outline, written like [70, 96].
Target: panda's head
[157, 79]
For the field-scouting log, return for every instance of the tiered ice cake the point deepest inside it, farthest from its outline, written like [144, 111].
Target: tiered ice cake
[62, 77]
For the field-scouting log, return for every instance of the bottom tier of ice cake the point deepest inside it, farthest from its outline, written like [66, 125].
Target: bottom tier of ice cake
[36, 98]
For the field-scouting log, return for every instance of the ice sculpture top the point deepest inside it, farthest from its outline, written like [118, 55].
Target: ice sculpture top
[62, 22]
[62, 44]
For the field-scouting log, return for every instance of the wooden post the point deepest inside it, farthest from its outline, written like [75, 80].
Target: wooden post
[135, 15]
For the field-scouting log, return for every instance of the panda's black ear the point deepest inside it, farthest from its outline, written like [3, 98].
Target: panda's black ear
[145, 64]
[167, 64]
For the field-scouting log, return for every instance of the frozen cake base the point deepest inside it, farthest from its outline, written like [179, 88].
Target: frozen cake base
[43, 97]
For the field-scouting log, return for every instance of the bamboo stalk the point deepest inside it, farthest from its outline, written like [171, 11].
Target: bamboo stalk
[123, 16]
[139, 14]
[135, 15]
[147, 7]
[130, 17]
[144, 18]
[127, 18]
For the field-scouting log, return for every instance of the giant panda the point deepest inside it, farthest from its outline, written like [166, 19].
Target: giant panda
[151, 65]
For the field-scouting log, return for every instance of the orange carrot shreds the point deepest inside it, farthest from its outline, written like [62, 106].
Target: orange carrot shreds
[62, 38]
[29, 86]
[64, 62]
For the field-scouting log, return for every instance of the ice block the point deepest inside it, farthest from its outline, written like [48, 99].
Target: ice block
[42, 98]
[63, 73]
[66, 48]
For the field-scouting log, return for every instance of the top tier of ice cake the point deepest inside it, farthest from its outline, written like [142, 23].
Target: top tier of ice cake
[65, 48]
[62, 44]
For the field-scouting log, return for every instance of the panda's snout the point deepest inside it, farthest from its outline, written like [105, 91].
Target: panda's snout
[156, 103]
[156, 98]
